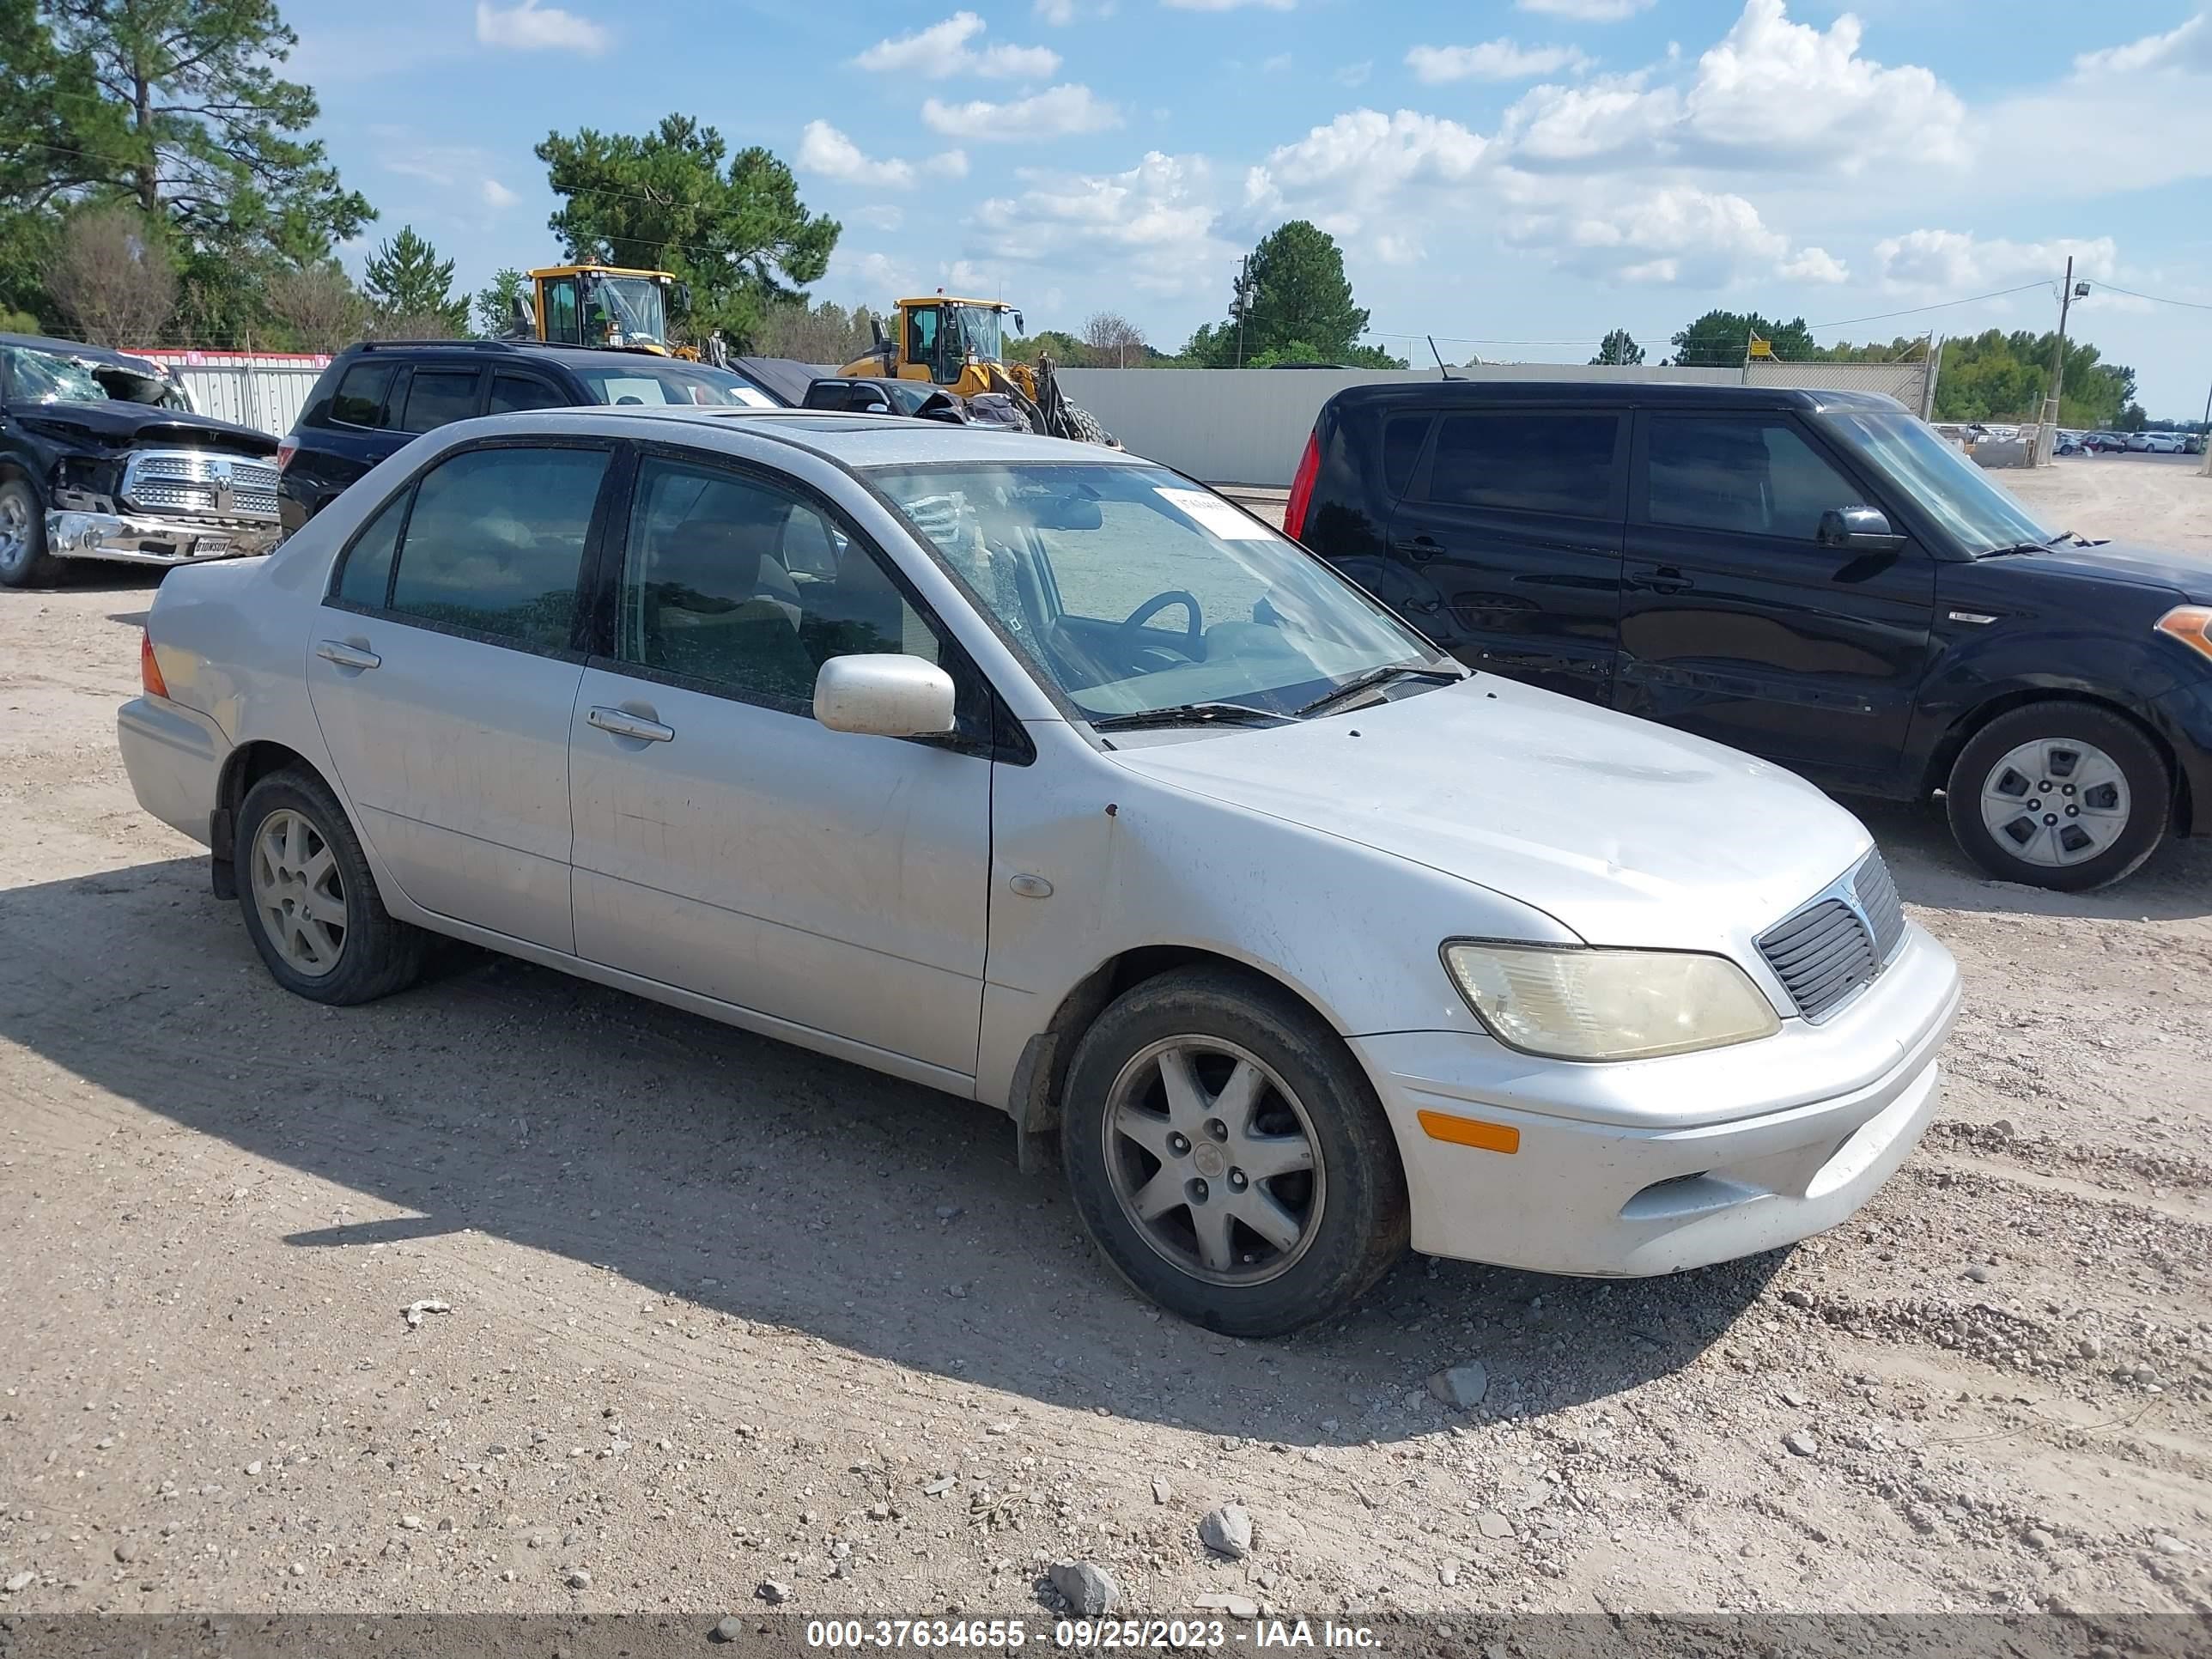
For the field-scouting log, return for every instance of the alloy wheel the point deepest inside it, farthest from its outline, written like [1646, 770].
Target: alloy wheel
[2055, 802]
[1214, 1160]
[298, 892]
[15, 530]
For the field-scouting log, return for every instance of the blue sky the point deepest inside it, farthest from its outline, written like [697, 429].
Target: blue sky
[1514, 178]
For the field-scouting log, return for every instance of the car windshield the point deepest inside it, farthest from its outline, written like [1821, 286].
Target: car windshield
[1943, 482]
[1133, 591]
[982, 332]
[40, 377]
[644, 380]
[634, 307]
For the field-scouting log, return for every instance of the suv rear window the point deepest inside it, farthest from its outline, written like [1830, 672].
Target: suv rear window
[1541, 462]
[359, 400]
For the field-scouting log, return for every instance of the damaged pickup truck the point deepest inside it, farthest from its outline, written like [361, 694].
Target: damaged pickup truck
[100, 458]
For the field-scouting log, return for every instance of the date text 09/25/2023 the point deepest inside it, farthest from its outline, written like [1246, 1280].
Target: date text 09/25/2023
[1097, 1635]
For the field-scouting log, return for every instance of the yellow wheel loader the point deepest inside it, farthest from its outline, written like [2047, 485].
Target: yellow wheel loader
[960, 344]
[591, 305]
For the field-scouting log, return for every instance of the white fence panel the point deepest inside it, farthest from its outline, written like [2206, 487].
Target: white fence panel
[262, 391]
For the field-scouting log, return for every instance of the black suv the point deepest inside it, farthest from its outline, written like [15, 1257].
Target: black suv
[376, 396]
[1814, 576]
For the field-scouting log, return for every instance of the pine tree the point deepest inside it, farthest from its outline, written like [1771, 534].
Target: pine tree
[405, 279]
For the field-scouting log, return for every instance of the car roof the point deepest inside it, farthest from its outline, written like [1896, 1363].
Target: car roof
[78, 348]
[848, 439]
[1612, 394]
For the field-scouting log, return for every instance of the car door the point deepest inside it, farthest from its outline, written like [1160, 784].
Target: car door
[1507, 548]
[443, 669]
[1738, 624]
[356, 432]
[728, 843]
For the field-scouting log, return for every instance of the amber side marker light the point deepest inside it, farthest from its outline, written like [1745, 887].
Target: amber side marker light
[149, 672]
[2188, 623]
[1470, 1132]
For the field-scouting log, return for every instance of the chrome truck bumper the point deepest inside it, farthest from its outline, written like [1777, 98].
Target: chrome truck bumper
[136, 538]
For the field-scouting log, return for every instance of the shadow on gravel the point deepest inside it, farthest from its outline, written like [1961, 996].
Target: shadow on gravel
[2174, 885]
[749, 1178]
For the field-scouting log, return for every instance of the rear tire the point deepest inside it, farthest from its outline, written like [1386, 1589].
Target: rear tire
[23, 559]
[1228, 1156]
[311, 904]
[2060, 795]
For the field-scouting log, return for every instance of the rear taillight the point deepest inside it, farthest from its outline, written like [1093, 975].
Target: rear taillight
[149, 672]
[1294, 515]
[285, 451]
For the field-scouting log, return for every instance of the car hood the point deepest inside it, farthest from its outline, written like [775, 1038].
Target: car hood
[1626, 832]
[113, 423]
[2189, 574]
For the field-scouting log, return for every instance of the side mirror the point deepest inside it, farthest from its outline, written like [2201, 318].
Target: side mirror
[1020, 327]
[1862, 529]
[876, 332]
[884, 696]
[679, 295]
[521, 315]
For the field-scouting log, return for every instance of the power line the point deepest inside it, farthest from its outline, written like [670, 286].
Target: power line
[1941, 305]
[2155, 299]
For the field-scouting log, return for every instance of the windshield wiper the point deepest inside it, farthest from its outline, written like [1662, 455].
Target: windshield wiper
[2017, 547]
[1182, 713]
[1375, 677]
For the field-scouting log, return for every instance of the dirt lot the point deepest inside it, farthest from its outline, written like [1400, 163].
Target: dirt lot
[723, 1313]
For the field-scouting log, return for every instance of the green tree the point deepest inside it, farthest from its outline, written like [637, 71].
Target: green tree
[1293, 293]
[193, 121]
[496, 301]
[1719, 339]
[1998, 376]
[738, 234]
[1065, 349]
[1619, 347]
[404, 278]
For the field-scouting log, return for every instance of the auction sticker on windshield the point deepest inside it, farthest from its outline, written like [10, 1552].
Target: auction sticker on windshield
[1214, 514]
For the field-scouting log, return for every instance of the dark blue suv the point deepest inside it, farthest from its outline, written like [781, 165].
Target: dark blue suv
[1815, 577]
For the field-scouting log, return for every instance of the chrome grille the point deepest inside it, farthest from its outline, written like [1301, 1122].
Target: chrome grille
[1839, 944]
[200, 481]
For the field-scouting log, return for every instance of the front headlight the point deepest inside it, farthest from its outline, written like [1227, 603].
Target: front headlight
[1608, 1004]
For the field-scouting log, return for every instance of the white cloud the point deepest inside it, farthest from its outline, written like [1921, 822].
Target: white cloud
[1493, 60]
[1227, 5]
[1356, 161]
[1814, 265]
[882, 215]
[497, 195]
[1771, 94]
[2188, 47]
[824, 150]
[942, 51]
[876, 277]
[1954, 261]
[1050, 114]
[528, 26]
[1154, 222]
[1356, 74]
[1058, 13]
[1586, 11]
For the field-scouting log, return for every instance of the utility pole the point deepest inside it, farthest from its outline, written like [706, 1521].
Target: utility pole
[1244, 302]
[2047, 442]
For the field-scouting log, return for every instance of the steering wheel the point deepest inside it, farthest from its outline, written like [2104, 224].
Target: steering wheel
[1195, 634]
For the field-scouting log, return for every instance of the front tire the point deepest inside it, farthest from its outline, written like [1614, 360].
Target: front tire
[23, 559]
[2060, 795]
[311, 904]
[1228, 1156]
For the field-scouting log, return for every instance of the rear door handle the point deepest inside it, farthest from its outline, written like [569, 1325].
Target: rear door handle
[1420, 547]
[348, 656]
[624, 723]
[1665, 580]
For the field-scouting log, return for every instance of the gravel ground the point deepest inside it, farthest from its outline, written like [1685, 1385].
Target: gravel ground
[713, 1313]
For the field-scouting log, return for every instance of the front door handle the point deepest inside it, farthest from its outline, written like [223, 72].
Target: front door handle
[1420, 547]
[1665, 580]
[348, 656]
[624, 723]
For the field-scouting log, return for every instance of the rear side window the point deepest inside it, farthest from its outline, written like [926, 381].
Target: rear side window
[437, 397]
[1754, 475]
[513, 392]
[496, 542]
[1402, 438]
[1539, 462]
[359, 400]
[367, 572]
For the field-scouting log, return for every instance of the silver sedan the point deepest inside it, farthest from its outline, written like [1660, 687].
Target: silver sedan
[1037, 773]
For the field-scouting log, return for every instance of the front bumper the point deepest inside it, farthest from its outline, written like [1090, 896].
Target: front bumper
[135, 538]
[1653, 1166]
[174, 756]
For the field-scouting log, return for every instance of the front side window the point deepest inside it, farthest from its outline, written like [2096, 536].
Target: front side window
[437, 397]
[1132, 590]
[1753, 475]
[729, 580]
[1533, 462]
[921, 335]
[560, 323]
[359, 400]
[496, 541]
